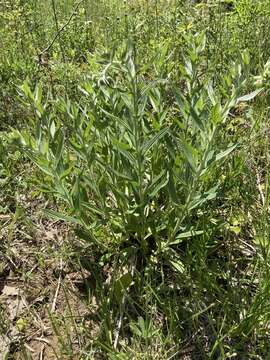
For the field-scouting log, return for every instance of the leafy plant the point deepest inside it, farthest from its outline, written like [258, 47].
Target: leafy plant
[129, 171]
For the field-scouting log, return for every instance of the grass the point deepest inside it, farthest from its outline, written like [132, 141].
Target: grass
[134, 180]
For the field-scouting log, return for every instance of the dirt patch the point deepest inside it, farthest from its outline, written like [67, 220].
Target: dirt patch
[43, 312]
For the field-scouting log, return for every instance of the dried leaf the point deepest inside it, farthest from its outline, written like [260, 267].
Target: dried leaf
[10, 291]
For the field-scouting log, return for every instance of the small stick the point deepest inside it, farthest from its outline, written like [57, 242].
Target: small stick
[42, 352]
[42, 340]
[260, 188]
[58, 288]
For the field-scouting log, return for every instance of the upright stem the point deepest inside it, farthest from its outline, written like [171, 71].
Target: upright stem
[57, 29]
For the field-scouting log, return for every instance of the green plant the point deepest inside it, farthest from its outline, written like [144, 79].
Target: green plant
[129, 171]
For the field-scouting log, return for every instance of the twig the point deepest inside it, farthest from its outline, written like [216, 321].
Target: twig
[5, 217]
[252, 248]
[41, 357]
[258, 178]
[58, 288]
[60, 30]
[43, 340]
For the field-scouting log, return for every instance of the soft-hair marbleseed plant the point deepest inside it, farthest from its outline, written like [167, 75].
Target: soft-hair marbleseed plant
[133, 174]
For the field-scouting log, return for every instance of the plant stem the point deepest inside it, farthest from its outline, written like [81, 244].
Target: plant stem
[57, 30]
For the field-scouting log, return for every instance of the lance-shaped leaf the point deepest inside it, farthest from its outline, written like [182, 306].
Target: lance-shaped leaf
[226, 152]
[59, 216]
[151, 142]
[158, 183]
[248, 97]
[184, 235]
[190, 154]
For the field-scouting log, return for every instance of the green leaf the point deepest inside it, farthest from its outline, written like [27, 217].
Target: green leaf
[117, 119]
[196, 119]
[182, 103]
[66, 172]
[27, 91]
[38, 93]
[111, 170]
[211, 93]
[188, 67]
[158, 183]
[52, 129]
[190, 155]
[60, 148]
[59, 216]
[225, 153]
[178, 265]
[120, 145]
[92, 208]
[200, 199]
[21, 324]
[188, 234]
[127, 155]
[131, 65]
[43, 164]
[216, 114]
[148, 144]
[142, 105]
[235, 229]
[121, 286]
[171, 188]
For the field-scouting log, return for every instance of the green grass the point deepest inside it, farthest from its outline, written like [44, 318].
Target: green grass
[134, 157]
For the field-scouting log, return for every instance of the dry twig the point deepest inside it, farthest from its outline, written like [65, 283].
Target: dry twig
[59, 32]
[58, 287]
